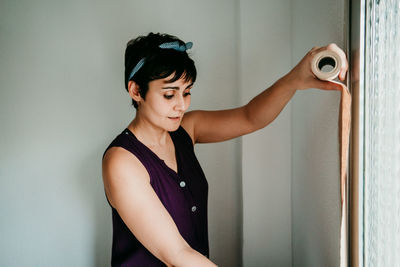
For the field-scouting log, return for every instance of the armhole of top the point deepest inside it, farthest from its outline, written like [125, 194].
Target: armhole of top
[186, 136]
[120, 141]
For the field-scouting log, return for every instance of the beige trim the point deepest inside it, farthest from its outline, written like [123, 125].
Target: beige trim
[354, 181]
[356, 76]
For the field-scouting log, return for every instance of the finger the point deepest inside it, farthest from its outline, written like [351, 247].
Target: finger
[337, 49]
[314, 48]
[313, 51]
[344, 69]
[342, 75]
[327, 85]
[317, 49]
[332, 47]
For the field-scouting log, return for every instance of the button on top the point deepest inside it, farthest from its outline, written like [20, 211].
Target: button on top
[194, 208]
[182, 184]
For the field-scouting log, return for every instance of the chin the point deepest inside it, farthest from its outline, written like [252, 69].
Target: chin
[173, 128]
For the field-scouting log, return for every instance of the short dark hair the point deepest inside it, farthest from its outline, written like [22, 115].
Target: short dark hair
[159, 63]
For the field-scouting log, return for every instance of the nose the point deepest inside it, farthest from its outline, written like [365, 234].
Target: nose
[180, 104]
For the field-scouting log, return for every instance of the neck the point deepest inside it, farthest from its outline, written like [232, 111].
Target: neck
[148, 133]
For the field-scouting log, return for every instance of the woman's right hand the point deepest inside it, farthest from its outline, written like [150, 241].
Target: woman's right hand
[301, 76]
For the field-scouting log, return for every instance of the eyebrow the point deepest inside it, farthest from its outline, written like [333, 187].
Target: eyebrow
[176, 87]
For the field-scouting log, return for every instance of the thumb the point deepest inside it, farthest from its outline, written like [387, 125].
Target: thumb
[327, 85]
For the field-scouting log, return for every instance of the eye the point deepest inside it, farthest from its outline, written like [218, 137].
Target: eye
[188, 93]
[168, 96]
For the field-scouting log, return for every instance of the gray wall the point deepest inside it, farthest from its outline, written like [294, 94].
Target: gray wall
[265, 57]
[290, 169]
[315, 149]
[62, 101]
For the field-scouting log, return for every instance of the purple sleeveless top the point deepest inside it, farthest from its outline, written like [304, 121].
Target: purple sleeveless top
[183, 194]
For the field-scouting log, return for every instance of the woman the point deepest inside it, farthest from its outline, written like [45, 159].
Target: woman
[152, 179]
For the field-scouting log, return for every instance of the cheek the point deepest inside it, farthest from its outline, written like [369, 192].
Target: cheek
[154, 105]
[187, 101]
[161, 107]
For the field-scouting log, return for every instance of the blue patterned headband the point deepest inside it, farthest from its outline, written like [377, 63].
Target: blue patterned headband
[172, 45]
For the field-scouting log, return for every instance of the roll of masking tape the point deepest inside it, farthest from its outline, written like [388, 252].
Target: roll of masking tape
[324, 59]
[326, 65]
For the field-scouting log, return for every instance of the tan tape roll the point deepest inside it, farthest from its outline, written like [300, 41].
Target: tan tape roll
[325, 58]
[320, 60]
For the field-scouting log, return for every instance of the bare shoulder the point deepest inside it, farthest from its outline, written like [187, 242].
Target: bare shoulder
[127, 186]
[121, 167]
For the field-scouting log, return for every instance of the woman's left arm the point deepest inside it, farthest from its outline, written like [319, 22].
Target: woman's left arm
[221, 125]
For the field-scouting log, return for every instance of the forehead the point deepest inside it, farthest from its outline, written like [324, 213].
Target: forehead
[164, 83]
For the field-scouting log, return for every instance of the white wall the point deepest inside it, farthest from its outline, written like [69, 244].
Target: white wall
[266, 162]
[315, 149]
[62, 101]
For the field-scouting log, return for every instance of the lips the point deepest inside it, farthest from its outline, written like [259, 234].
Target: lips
[174, 118]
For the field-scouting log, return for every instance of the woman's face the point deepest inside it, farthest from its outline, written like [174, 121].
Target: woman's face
[166, 103]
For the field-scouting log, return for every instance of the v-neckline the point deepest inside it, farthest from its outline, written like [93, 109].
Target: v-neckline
[157, 157]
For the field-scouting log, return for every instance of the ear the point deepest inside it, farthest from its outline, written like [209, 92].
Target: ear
[134, 91]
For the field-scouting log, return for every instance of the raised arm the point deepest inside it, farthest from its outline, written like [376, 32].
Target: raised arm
[128, 189]
[221, 125]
